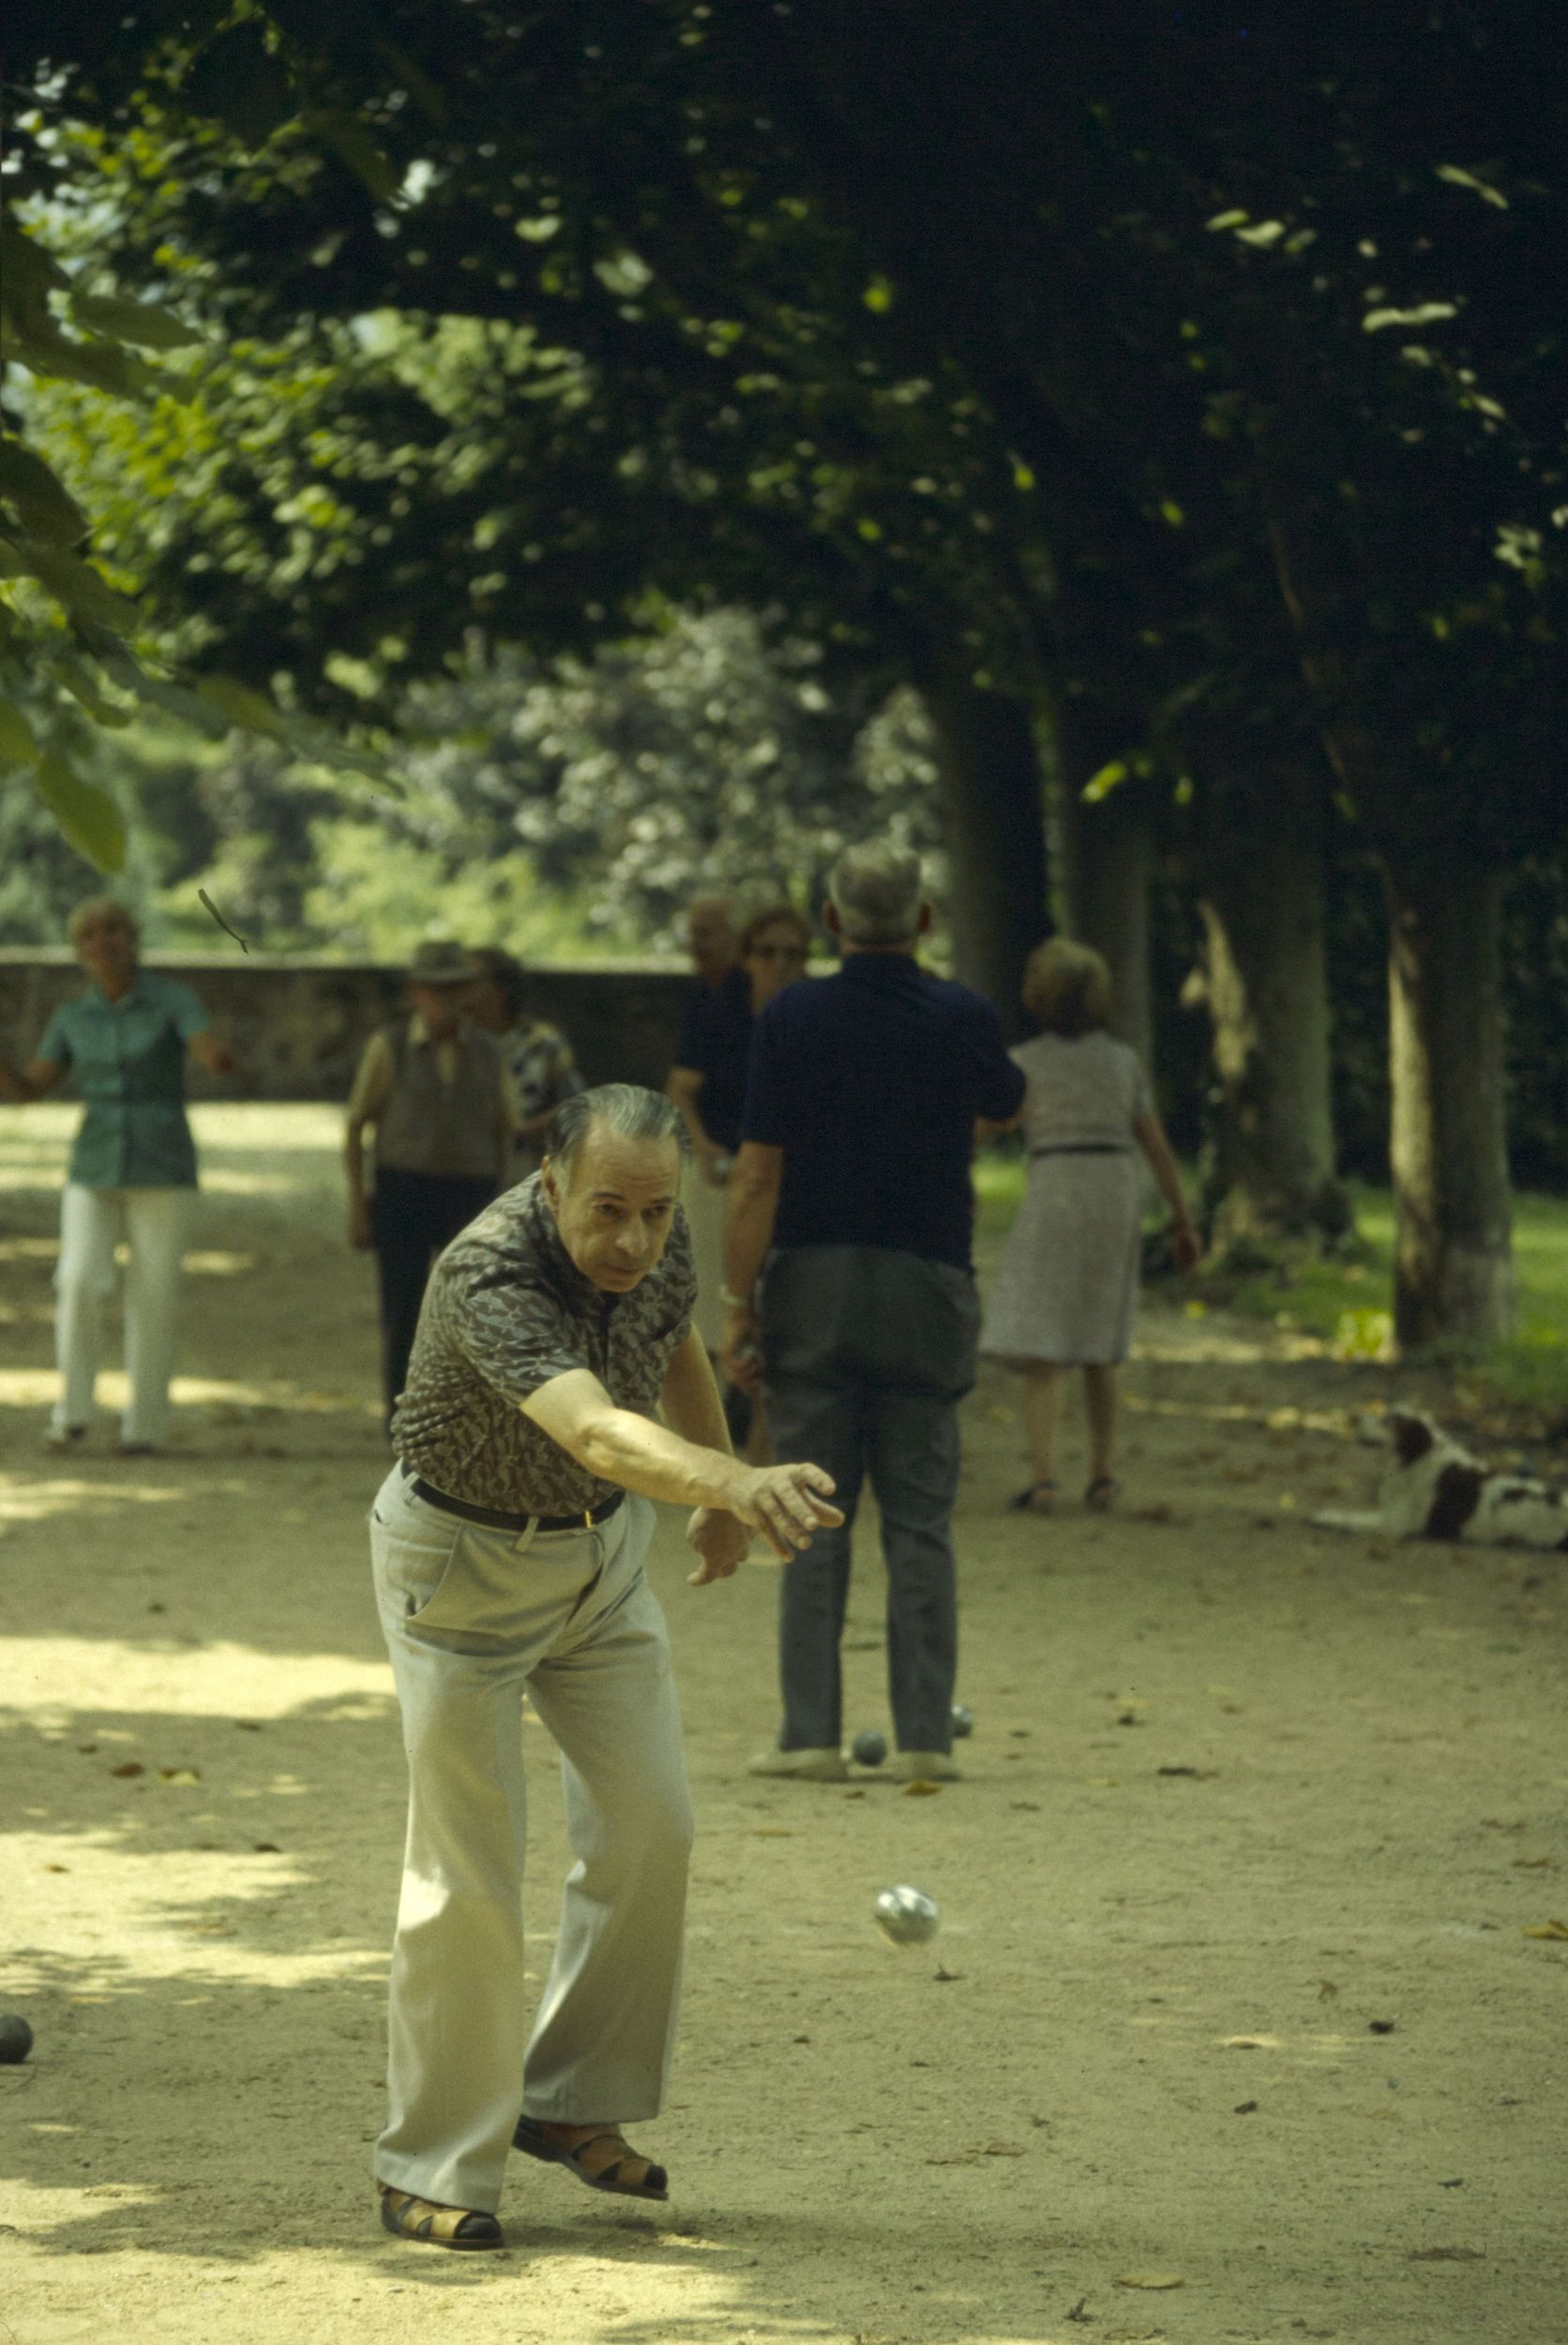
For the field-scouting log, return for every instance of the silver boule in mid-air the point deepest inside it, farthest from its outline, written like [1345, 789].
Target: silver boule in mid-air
[906, 1916]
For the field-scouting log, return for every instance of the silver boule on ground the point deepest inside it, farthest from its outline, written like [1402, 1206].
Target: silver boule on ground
[906, 1916]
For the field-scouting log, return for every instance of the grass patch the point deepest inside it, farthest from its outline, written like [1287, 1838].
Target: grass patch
[1346, 1297]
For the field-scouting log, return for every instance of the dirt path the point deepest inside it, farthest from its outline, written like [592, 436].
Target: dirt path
[1233, 1985]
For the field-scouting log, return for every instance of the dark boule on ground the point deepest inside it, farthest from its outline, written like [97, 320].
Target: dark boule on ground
[869, 1748]
[16, 2037]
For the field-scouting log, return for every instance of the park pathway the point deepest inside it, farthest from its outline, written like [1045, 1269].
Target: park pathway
[1239, 2024]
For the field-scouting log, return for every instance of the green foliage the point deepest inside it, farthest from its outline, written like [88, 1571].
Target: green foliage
[560, 808]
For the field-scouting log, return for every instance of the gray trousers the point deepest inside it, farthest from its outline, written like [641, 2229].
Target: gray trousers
[471, 1617]
[868, 1354]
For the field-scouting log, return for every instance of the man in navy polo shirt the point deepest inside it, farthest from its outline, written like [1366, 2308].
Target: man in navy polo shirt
[854, 1169]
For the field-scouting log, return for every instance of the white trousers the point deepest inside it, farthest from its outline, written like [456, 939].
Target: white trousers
[473, 1617]
[153, 1222]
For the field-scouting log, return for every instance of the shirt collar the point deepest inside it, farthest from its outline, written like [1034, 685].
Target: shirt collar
[879, 968]
[418, 1032]
[135, 999]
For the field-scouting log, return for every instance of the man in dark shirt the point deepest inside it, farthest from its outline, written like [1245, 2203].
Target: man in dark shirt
[508, 1544]
[855, 1169]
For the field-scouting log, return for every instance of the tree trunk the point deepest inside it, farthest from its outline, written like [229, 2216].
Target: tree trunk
[993, 825]
[1453, 1274]
[1267, 990]
[1109, 853]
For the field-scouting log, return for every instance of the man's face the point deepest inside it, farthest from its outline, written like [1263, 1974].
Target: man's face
[441, 1007]
[710, 939]
[615, 1208]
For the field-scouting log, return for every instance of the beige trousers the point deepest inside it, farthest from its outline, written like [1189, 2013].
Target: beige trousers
[473, 1618]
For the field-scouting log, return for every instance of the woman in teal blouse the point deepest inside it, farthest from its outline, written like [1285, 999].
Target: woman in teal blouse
[132, 1171]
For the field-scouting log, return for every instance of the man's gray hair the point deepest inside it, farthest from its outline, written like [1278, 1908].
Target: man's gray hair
[623, 1108]
[876, 893]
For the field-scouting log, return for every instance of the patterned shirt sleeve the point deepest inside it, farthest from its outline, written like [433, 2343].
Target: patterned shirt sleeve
[564, 1081]
[513, 1335]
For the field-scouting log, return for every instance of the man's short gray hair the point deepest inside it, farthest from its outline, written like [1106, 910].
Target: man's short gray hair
[625, 1108]
[876, 893]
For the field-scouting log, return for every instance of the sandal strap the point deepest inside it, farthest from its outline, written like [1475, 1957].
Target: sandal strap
[413, 2217]
[607, 2175]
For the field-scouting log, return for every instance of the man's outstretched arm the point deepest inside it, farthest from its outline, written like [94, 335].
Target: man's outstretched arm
[788, 1504]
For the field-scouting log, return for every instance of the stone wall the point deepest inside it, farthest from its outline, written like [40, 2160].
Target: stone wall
[298, 1024]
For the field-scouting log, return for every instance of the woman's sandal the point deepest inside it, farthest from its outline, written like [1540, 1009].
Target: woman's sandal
[597, 2161]
[1102, 1494]
[408, 2218]
[1036, 1500]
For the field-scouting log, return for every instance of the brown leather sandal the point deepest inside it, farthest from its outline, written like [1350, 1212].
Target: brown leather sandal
[597, 2161]
[408, 2218]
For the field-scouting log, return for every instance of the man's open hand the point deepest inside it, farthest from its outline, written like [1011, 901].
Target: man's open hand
[788, 1504]
[723, 1541]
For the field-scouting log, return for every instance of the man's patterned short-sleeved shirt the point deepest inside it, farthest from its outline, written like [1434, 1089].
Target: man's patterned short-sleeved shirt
[506, 1310]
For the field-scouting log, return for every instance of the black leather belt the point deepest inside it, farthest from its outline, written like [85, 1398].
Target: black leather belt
[1084, 1148]
[496, 1519]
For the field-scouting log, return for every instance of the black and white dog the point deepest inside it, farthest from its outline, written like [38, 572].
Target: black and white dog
[1434, 1489]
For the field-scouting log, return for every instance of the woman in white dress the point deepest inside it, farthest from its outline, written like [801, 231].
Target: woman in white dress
[1066, 1289]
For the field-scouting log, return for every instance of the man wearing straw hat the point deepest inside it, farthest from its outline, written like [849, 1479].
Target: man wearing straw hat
[434, 1090]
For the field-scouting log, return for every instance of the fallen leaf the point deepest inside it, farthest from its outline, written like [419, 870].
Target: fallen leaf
[1103, 1782]
[1546, 1929]
[1535, 1864]
[56, 1869]
[920, 1788]
[772, 1832]
[1025, 1806]
[248, 1726]
[267, 1848]
[1379, 2027]
[1004, 2149]
[1150, 2280]
[1244, 2108]
[856, 1794]
[1448, 2255]
[128, 1766]
[178, 1776]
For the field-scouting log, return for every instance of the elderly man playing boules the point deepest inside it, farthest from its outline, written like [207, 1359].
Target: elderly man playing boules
[861, 1105]
[508, 1543]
